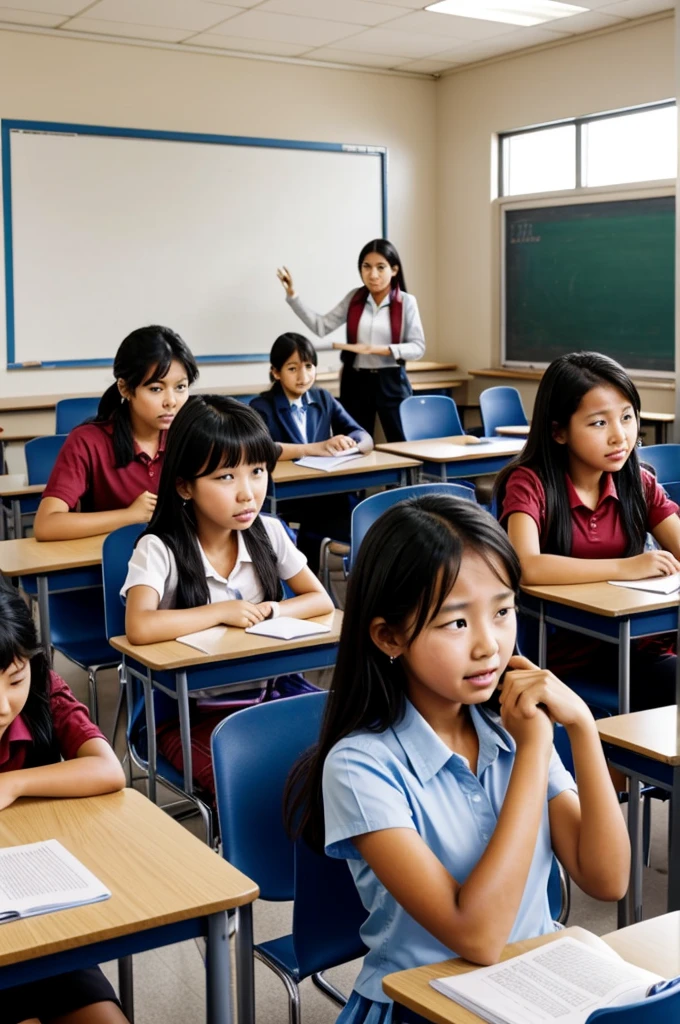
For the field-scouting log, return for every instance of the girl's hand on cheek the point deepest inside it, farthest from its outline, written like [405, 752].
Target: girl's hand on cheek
[525, 686]
[243, 613]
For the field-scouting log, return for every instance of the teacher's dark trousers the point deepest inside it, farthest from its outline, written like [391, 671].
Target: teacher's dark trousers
[367, 392]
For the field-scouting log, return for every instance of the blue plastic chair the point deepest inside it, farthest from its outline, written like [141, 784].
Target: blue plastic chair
[41, 454]
[427, 416]
[370, 509]
[501, 407]
[665, 461]
[253, 751]
[71, 412]
[663, 1008]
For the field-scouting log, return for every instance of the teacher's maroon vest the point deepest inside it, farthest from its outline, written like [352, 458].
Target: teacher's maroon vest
[356, 308]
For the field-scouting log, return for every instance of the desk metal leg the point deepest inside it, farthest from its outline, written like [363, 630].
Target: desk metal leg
[44, 612]
[624, 666]
[542, 638]
[218, 970]
[185, 729]
[272, 503]
[16, 518]
[150, 715]
[125, 988]
[630, 907]
[674, 844]
[245, 965]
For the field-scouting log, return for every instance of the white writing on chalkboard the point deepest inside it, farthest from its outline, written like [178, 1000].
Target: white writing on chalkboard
[522, 231]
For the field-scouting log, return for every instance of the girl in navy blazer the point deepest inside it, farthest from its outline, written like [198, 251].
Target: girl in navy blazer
[305, 420]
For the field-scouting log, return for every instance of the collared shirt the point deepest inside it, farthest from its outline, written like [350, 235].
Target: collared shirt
[406, 777]
[596, 533]
[374, 328]
[299, 412]
[85, 471]
[153, 565]
[325, 417]
[71, 726]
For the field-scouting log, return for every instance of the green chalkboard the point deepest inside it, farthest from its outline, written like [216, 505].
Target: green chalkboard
[592, 276]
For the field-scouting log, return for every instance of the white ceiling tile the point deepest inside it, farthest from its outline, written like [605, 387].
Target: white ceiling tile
[269, 47]
[398, 44]
[366, 60]
[241, 3]
[637, 8]
[355, 11]
[587, 22]
[427, 67]
[435, 24]
[188, 14]
[10, 15]
[65, 7]
[413, 4]
[121, 28]
[466, 53]
[285, 28]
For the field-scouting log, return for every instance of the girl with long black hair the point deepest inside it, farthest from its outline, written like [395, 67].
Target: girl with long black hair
[107, 472]
[49, 748]
[383, 331]
[577, 506]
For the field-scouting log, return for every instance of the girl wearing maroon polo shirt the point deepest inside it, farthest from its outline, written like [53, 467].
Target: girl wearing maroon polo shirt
[577, 507]
[108, 471]
[42, 723]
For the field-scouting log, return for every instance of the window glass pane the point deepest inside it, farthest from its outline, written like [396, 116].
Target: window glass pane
[541, 161]
[634, 147]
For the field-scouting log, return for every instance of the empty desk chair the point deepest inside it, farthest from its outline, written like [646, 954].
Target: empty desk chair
[426, 416]
[501, 407]
[665, 461]
[71, 412]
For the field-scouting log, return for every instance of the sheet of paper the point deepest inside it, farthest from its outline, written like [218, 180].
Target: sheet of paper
[205, 640]
[327, 463]
[287, 628]
[41, 877]
[657, 584]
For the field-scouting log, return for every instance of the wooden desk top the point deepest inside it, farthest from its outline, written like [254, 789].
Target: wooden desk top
[653, 733]
[158, 873]
[12, 434]
[658, 417]
[13, 485]
[521, 430]
[451, 449]
[652, 944]
[171, 655]
[287, 472]
[603, 599]
[515, 373]
[28, 556]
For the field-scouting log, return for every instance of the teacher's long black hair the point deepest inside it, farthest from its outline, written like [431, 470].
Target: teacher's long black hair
[386, 249]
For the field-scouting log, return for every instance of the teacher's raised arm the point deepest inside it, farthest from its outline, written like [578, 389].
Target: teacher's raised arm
[383, 331]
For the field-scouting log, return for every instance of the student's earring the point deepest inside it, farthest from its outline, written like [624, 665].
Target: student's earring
[391, 659]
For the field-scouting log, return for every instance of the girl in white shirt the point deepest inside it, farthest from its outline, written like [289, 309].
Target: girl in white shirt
[383, 331]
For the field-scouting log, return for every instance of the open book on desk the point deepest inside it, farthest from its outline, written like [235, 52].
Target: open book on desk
[41, 877]
[655, 585]
[562, 981]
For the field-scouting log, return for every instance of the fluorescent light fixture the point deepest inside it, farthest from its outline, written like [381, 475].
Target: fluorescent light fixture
[521, 12]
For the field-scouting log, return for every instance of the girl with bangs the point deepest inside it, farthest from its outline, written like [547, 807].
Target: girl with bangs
[578, 506]
[106, 474]
[49, 748]
[447, 812]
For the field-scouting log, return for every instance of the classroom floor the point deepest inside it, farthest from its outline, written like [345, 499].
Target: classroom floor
[169, 983]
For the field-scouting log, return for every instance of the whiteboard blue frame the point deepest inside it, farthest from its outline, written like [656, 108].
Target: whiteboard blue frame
[55, 128]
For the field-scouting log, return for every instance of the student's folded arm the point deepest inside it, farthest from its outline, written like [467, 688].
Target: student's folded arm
[146, 623]
[93, 771]
[310, 597]
[343, 423]
[474, 919]
[543, 570]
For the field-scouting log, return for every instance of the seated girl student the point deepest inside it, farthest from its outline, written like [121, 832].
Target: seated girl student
[107, 472]
[448, 814]
[207, 558]
[577, 507]
[305, 420]
[49, 748]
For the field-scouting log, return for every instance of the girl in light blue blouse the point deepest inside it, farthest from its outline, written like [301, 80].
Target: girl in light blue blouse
[448, 812]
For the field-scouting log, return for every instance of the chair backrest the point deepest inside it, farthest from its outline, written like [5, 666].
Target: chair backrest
[663, 1008]
[665, 461]
[71, 412]
[41, 454]
[425, 416]
[366, 512]
[116, 553]
[501, 407]
[253, 751]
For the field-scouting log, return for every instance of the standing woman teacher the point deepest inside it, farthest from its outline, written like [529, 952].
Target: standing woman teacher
[383, 331]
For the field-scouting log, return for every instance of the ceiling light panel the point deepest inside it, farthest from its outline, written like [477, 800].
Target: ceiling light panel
[522, 12]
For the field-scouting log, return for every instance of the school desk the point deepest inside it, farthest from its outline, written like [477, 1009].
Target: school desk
[645, 746]
[241, 658]
[28, 557]
[453, 457]
[652, 944]
[661, 421]
[613, 614]
[521, 430]
[377, 469]
[13, 488]
[166, 886]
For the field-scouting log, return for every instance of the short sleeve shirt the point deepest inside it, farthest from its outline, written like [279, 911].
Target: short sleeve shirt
[71, 725]
[406, 777]
[85, 471]
[153, 565]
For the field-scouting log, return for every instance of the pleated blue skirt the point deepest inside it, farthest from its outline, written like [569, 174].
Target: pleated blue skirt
[360, 1010]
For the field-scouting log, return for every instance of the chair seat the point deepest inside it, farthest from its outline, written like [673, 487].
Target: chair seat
[280, 951]
[84, 653]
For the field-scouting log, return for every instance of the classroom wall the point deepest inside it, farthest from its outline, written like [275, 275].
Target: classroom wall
[602, 72]
[46, 78]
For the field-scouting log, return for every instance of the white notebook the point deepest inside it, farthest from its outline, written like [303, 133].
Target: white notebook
[327, 463]
[657, 584]
[41, 877]
[562, 981]
[287, 628]
[205, 639]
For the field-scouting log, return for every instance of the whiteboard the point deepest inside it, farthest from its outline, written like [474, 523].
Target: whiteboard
[107, 230]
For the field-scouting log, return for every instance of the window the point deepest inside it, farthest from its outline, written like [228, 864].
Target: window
[606, 149]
